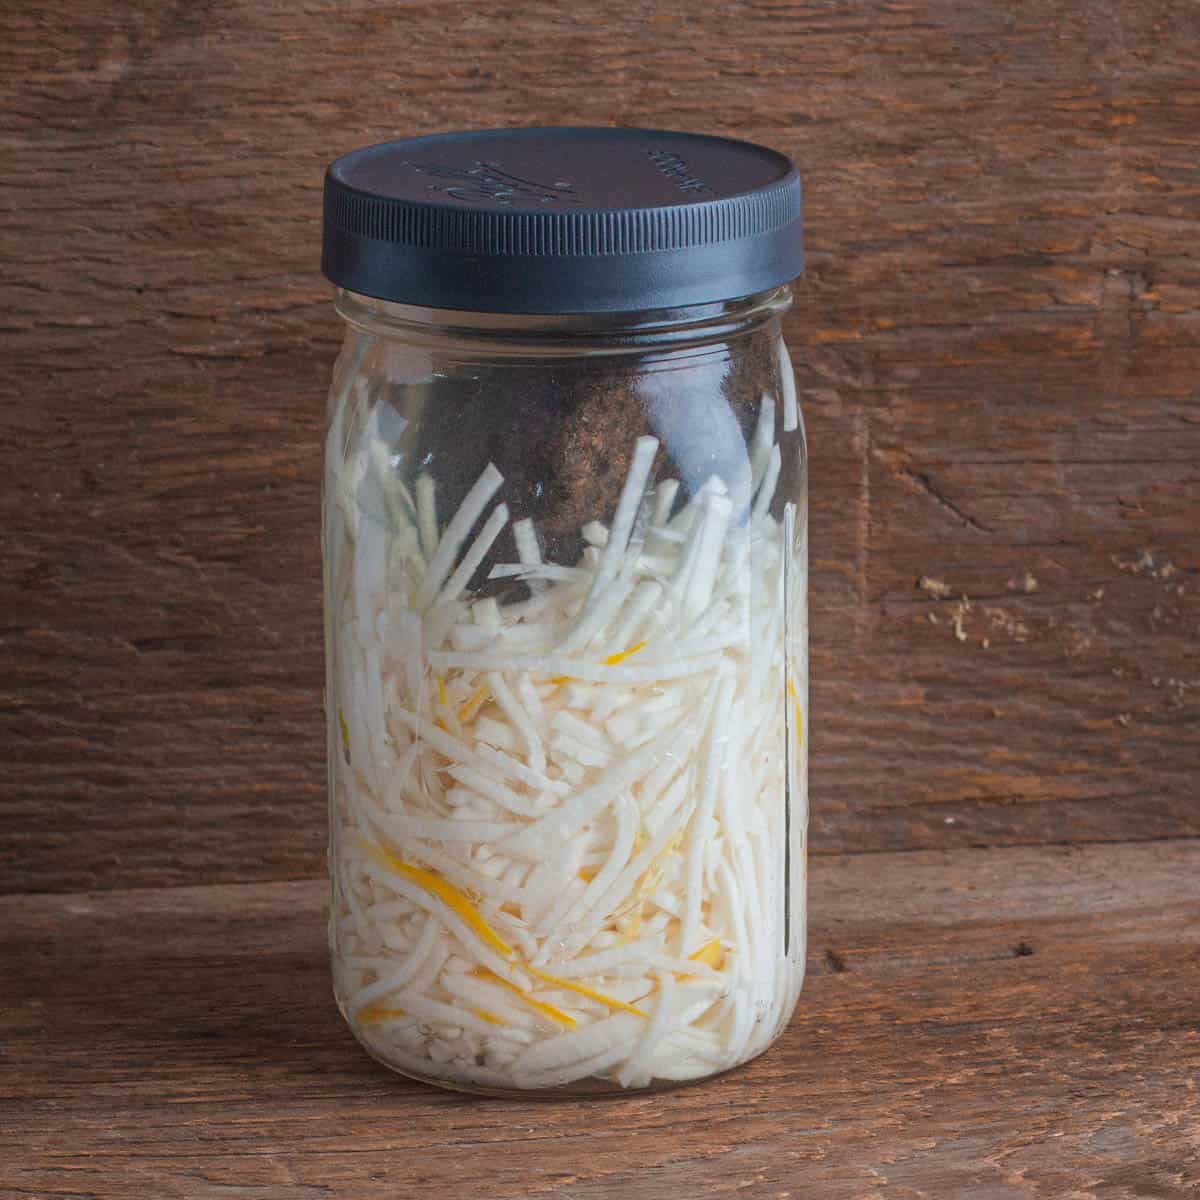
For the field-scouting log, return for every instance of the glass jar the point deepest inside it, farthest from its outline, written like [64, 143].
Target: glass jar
[565, 612]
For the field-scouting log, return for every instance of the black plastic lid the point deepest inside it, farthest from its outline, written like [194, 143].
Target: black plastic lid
[562, 220]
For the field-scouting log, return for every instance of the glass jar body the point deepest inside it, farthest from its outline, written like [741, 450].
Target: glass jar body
[566, 643]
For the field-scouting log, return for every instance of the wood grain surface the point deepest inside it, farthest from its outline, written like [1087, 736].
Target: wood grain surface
[998, 342]
[987, 1024]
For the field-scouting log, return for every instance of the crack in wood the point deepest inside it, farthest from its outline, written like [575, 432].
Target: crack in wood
[931, 489]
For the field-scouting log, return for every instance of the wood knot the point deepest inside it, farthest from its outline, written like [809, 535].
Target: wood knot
[836, 963]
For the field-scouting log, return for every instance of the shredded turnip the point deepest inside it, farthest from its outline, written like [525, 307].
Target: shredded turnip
[568, 819]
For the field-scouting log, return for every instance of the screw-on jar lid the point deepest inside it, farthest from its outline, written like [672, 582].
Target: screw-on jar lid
[562, 220]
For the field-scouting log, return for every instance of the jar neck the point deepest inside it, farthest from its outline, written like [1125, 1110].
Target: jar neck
[571, 334]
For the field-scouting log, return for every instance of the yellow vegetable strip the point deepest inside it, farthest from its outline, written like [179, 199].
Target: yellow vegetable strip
[374, 1013]
[791, 687]
[633, 925]
[441, 687]
[447, 893]
[613, 659]
[547, 1010]
[344, 728]
[473, 704]
[709, 953]
[582, 990]
[484, 1015]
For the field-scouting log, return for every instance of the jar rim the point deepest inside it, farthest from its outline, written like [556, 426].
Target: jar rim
[564, 333]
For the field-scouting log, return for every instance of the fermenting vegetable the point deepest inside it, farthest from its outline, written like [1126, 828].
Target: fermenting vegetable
[566, 796]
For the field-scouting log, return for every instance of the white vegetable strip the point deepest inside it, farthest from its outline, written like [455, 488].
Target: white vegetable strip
[532, 701]
[682, 521]
[496, 733]
[440, 829]
[766, 489]
[549, 881]
[469, 941]
[487, 615]
[621, 1029]
[713, 526]
[627, 506]
[699, 832]
[598, 614]
[536, 570]
[491, 999]
[627, 823]
[787, 388]
[590, 779]
[582, 1069]
[397, 980]
[417, 1005]
[583, 806]
[484, 488]
[567, 746]
[664, 500]
[493, 789]
[635, 1071]
[519, 719]
[460, 873]
[604, 962]
[593, 735]
[646, 595]
[431, 968]
[528, 549]
[764, 439]
[482, 756]
[595, 533]
[608, 901]
[471, 560]
[427, 514]
[702, 645]
[573, 668]
[527, 775]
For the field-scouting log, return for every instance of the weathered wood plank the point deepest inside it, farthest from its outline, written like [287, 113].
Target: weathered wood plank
[1001, 1023]
[998, 341]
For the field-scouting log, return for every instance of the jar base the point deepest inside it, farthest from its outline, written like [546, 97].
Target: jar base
[583, 1089]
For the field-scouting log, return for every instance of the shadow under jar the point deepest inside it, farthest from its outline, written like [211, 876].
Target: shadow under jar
[565, 547]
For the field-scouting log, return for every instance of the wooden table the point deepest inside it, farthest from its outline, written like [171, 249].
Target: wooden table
[998, 350]
[997, 1023]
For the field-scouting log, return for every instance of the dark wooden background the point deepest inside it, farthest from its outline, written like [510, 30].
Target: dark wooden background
[998, 345]
[998, 341]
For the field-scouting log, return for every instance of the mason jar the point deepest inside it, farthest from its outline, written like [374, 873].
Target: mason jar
[565, 548]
